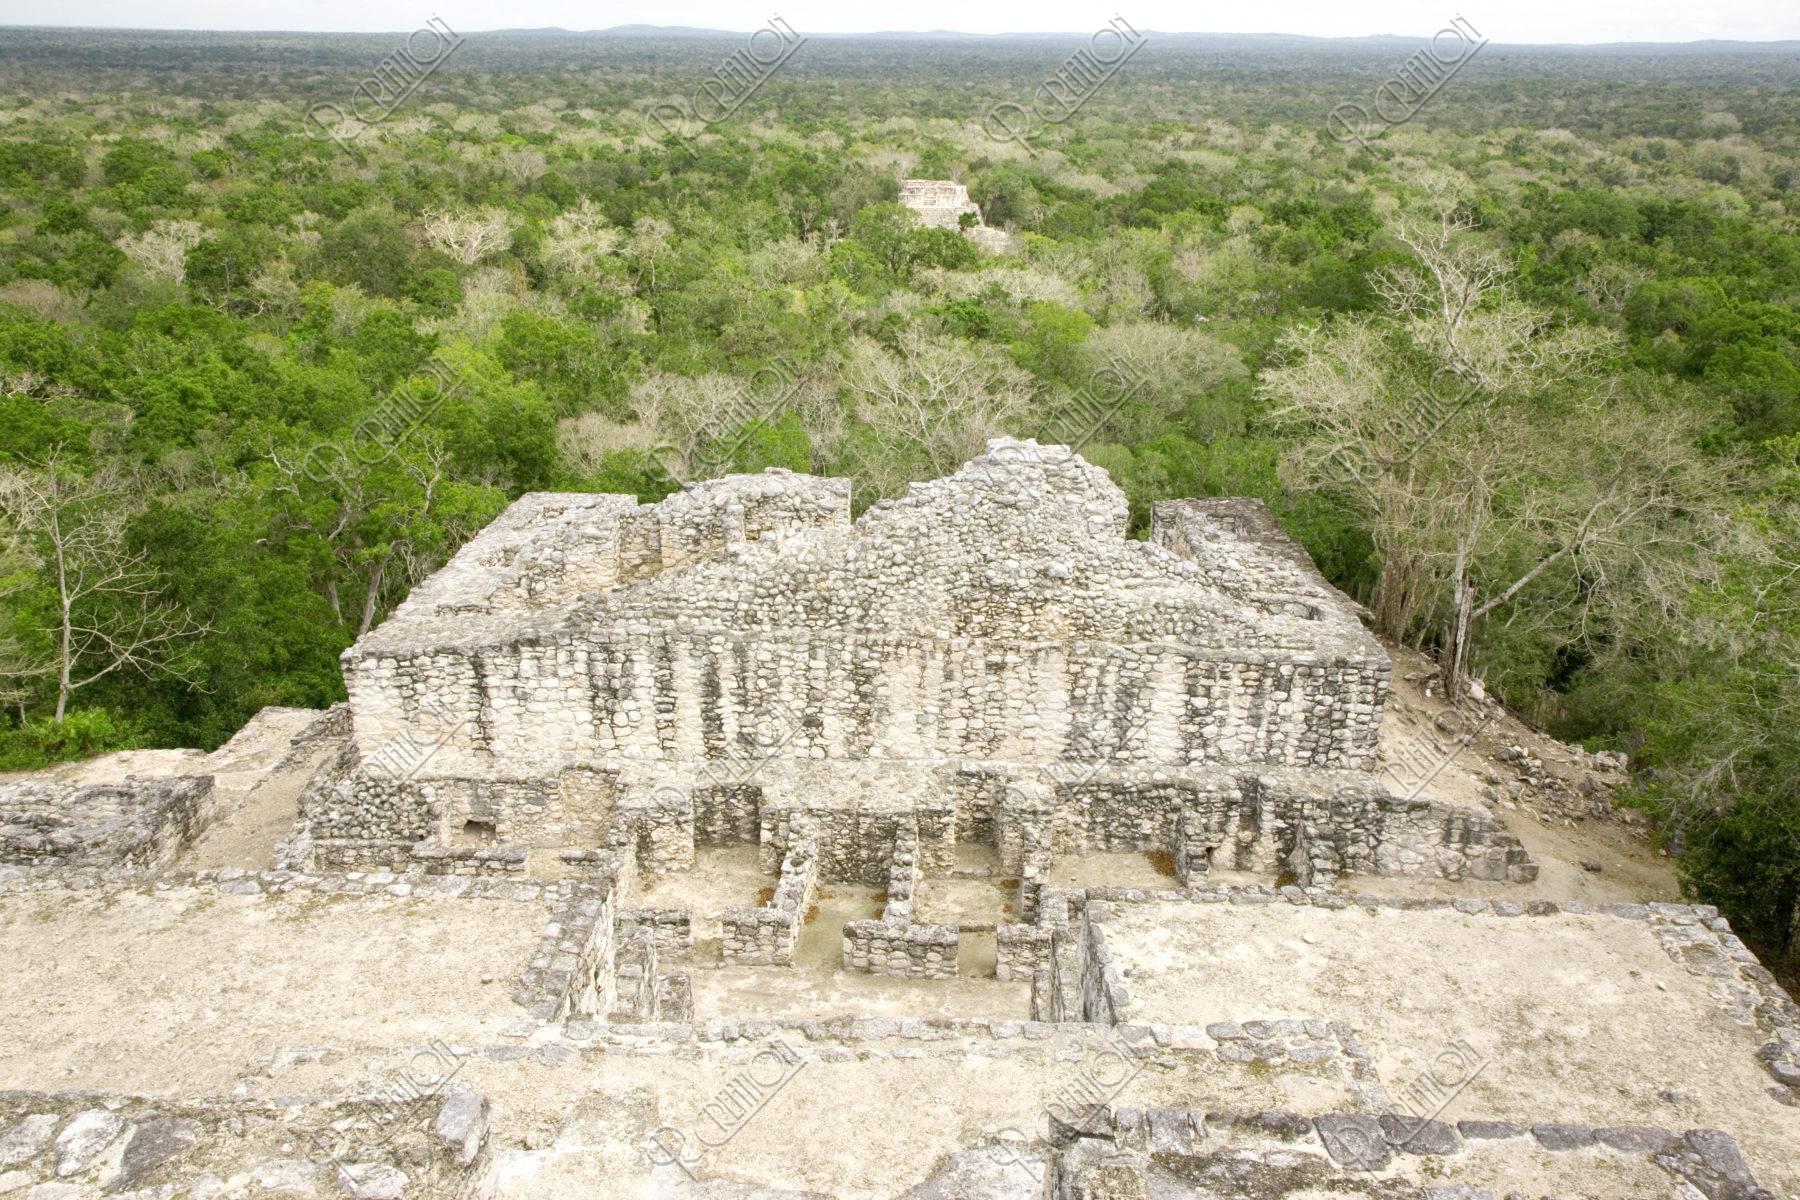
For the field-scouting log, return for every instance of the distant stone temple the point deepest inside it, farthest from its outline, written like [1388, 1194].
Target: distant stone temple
[943, 203]
[940, 203]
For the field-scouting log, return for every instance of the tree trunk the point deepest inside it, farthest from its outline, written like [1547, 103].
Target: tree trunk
[1793, 944]
[1454, 665]
[65, 664]
[371, 597]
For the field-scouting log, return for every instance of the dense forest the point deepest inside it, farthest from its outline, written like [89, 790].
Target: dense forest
[1522, 371]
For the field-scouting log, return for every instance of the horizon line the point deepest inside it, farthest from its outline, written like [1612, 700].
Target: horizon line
[645, 29]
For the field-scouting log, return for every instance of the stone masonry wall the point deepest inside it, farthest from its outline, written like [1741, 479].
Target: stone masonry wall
[988, 657]
[894, 945]
[141, 823]
[768, 935]
[901, 637]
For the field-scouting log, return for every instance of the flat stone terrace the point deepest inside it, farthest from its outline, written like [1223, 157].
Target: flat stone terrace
[188, 989]
[1264, 1037]
[1611, 1014]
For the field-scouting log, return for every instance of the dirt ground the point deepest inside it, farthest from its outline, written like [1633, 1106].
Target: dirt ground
[1582, 1017]
[258, 794]
[1419, 752]
[184, 991]
[869, 1125]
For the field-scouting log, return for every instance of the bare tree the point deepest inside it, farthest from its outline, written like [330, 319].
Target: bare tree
[18, 667]
[109, 612]
[469, 237]
[1487, 449]
[162, 249]
[692, 421]
[579, 240]
[934, 400]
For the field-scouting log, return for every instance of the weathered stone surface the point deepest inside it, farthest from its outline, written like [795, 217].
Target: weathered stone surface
[24, 1140]
[150, 1145]
[1636, 1139]
[1712, 1162]
[1563, 1137]
[372, 1181]
[82, 1140]
[462, 1125]
[1411, 1135]
[1354, 1141]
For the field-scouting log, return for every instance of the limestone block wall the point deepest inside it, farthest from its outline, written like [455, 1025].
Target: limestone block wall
[977, 793]
[657, 691]
[592, 937]
[768, 935]
[892, 948]
[1023, 829]
[987, 658]
[359, 805]
[1313, 831]
[895, 945]
[143, 822]
[670, 929]
[1023, 950]
[904, 875]
[1312, 825]
[727, 814]
[855, 845]
[710, 515]
[996, 613]
[467, 860]
[654, 827]
[1104, 996]
[1028, 949]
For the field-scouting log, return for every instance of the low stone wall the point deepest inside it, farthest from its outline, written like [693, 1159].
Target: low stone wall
[574, 972]
[767, 935]
[68, 1144]
[852, 843]
[1310, 826]
[468, 860]
[894, 945]
[1022, 950]
[143, 822]
[1104, 997]
[670, 929]
[1116, 1152]
[909, 951]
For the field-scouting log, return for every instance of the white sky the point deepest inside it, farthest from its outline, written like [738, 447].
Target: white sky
[1505, 21]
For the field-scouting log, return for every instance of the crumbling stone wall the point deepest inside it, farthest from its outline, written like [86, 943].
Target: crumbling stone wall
[141, 823]
[895, 945]
[988, 657]
[1310, 826]
[1104, 996]
[670, 929]
[1022, 950]
[901, 637]
[656, 827]
[854, 845]
[403, 1137]
[768, 934]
